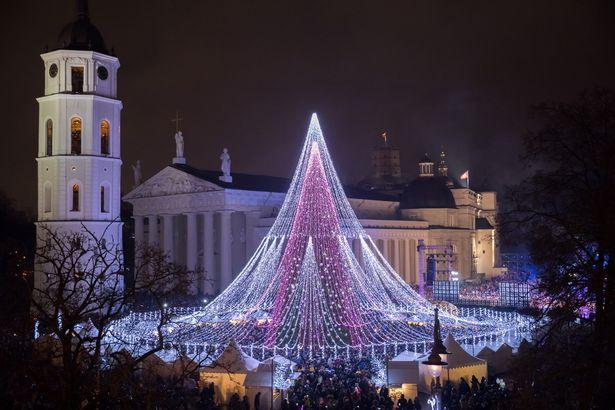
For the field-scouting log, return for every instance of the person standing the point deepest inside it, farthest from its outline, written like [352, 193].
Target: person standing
[402, 403]
[257, 401]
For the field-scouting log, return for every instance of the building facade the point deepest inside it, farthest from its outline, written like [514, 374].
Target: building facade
[435, 229]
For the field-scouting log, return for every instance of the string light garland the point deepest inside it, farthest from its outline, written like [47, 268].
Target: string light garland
[305, 292]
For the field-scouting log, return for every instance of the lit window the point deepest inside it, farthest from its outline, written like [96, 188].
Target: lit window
[75, 136]
[75, 198]
[104, 138]
[49, 137]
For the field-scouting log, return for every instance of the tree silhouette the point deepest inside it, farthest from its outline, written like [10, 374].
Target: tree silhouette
[564, 212]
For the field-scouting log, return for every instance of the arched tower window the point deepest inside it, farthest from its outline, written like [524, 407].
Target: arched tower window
[104, 137]
[49, 137]
[75, 136]
[75, 207]
[104, 199]
[47, 197]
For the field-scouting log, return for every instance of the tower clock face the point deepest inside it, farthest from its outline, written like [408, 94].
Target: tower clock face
[53, 70]
[102, 73]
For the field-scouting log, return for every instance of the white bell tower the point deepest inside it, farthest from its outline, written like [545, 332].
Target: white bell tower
[79, 160]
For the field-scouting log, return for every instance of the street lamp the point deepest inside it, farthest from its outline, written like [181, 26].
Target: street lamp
[434, 361]
[438, 346]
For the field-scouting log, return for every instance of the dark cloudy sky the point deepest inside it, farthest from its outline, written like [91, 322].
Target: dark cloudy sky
[247, 75]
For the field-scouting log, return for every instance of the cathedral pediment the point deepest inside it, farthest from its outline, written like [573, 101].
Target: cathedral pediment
[171, 181]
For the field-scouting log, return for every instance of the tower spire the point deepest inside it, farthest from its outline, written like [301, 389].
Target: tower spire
[443, 166]
[82, 10]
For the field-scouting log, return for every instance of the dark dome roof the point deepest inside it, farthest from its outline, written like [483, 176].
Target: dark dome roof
[81, 34]
[427, 192]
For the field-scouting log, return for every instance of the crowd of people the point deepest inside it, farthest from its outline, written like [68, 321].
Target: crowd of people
[483, 394]
[341, 384]
[487, 290]
[348, 384]
[319, 384]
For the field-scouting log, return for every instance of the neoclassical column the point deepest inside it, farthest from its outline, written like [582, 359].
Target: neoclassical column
[226, 275]
[208, 280]
[421, 268]
[385, 249]
[191, 251]
[139, 232]
[419, 263]
[396, 264]
[167, 236]
[407, 259]
[252, 218]
[152, 237]
[139, 240]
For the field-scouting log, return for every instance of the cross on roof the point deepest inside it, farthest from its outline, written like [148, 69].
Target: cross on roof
[177, 121]
[384, 137]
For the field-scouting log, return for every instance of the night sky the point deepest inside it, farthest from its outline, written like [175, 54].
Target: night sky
[247, 75]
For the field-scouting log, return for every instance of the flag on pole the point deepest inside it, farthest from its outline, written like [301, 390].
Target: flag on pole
[466, 176]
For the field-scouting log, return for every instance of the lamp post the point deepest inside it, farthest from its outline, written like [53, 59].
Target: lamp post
[438, 346]
[434, 361]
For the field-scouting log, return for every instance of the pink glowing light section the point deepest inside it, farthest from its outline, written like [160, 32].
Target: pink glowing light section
[330, 302]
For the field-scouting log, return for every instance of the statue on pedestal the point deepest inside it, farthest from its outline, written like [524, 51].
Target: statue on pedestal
[225, 166]
[179, 145]
[179, 141]
[136, 169]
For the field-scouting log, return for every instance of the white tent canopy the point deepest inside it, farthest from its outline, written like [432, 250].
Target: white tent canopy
[280, 361]
[168, 355]
[232, 360]
[486, 353]
[400, 373]
[261, 376]
[501, 359]
[459, 357]
[407, 356]
[228, 372]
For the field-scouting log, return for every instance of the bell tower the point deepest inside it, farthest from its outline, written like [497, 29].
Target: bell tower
[79, 160]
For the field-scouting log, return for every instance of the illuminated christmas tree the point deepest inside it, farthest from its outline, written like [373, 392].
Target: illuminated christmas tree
[306, 290]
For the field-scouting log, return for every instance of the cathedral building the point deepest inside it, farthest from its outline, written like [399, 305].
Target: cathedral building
[428, 228]
[79, 161]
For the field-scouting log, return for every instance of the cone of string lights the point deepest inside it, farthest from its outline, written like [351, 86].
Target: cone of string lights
[317, 284]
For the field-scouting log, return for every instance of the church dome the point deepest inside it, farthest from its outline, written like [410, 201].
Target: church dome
[81, 34]
[427, 192]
